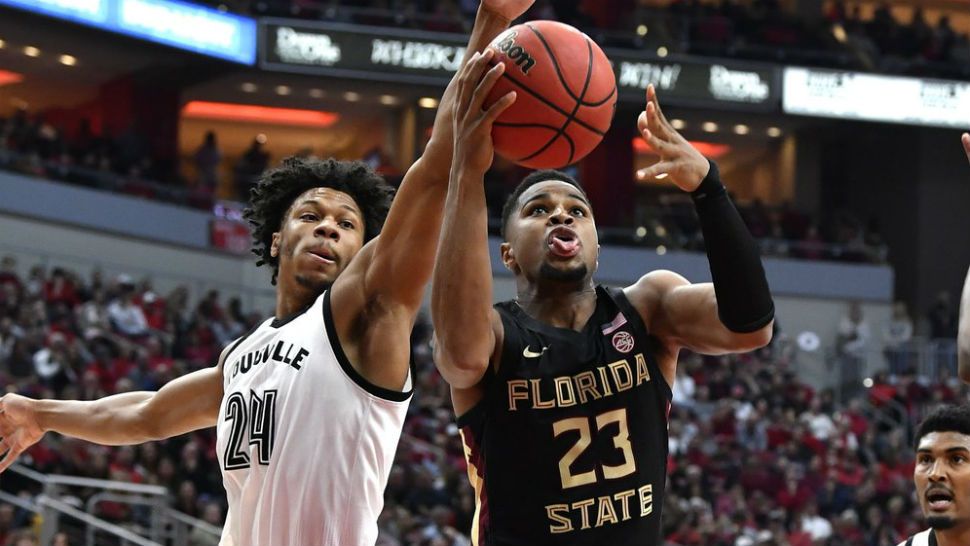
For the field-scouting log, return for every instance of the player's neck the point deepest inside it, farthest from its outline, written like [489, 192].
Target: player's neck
[290, 301]
[562, 306]
[958, 536]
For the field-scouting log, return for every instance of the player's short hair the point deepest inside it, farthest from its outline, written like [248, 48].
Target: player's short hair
[950, 418]
[529, 181]
[277, 188]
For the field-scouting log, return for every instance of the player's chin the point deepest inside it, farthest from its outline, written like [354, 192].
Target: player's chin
[568, 270]
[318, 277]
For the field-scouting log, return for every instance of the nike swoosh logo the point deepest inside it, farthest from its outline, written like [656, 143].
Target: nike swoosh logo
[529, 354]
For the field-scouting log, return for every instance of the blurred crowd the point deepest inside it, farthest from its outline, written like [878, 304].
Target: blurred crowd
[757, 457]
[841, 37]
[781, 231]
[31, 146]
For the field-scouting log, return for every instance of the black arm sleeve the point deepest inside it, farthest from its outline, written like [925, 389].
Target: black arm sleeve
[744, 301]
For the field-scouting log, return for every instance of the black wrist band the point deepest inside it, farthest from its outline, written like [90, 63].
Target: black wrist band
[711, 185]
[744, 301]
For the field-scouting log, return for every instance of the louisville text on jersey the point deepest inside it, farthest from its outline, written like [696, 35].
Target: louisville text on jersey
[280, 352]
[570, 390]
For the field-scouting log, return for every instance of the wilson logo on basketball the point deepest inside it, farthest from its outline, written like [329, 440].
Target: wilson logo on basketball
[515, 52]
[623, 341]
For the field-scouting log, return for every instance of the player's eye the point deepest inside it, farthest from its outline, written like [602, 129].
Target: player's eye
[346, 224]
[924, 460]
[538, 209]
[577, 211]
[958, 459]
[308, 217]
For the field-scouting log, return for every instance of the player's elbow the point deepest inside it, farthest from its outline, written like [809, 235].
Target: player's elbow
[460, 371]
[751, 341]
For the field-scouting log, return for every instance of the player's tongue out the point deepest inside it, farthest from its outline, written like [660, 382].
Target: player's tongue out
[563, 245]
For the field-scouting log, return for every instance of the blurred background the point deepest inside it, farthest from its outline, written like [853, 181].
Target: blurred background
[132, 130]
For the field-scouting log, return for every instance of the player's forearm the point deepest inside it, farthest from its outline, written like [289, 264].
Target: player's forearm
[743, 298]
[963, 333]
[488, 25]
[461, 288]
[114, 420]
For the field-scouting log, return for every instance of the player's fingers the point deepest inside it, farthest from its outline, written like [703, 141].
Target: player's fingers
[659, 145]
[965, 139]
[642, 121]
[656, 170]
[656, 124]
[495, 110]
[656, 102]
[8, 458]
[485, 87]
[465, 84]
[479, 67]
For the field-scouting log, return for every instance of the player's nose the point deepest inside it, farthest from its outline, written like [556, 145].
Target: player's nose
[327, 228]
[560, 217]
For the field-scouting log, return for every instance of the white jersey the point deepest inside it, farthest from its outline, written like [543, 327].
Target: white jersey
[305, 443]
[925, 538]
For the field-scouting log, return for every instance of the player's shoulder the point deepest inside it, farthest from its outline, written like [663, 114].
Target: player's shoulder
[658, 279]
[924, 538]
[649, 289]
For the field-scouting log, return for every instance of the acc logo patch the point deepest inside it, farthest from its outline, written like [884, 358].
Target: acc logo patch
[623, 341]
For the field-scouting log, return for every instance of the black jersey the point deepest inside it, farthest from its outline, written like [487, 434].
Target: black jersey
[569, 442]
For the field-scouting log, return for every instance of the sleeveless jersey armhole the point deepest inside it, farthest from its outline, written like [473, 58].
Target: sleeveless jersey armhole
[634, 317]
[348, 368]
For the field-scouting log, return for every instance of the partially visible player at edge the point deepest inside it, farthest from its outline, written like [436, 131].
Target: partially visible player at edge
[942, 477]
[309, 405]
[562, 395]
[963, 332]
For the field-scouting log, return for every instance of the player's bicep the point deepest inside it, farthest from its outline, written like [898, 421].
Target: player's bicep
[187, 403]
[692, 313]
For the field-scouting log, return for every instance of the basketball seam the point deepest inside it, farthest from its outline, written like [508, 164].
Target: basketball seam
[552, 105]
[562, 80]
[572, 115]
[569, 139]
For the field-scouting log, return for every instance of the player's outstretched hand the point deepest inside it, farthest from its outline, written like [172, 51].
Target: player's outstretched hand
[18, 428]
[473, 122]
[507, 9]
[965, 139]
[685, 166]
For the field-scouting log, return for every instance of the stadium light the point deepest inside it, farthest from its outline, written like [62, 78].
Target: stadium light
[259, 114]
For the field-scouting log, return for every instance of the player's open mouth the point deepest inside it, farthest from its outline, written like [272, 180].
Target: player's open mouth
[939, 499]
[563, 242]
[323, 255]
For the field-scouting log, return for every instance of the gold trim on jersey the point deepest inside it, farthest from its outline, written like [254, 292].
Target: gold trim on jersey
[478, 485]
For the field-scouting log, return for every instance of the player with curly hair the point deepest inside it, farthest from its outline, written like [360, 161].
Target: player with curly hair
[310, 404]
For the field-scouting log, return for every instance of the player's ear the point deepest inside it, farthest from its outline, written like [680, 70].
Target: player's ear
[274, 249]
[508, 257]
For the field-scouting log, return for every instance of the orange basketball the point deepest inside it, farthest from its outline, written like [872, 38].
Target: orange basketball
[565, 94]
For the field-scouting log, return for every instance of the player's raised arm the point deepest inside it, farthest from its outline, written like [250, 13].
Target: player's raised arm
[963, 333]
[736, 312]
[188, 403]
[461, 288]
[399, 267]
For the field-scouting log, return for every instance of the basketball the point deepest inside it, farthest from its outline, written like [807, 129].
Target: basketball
[566, 94]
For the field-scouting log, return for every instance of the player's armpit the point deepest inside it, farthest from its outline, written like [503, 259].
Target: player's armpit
[685, 315]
